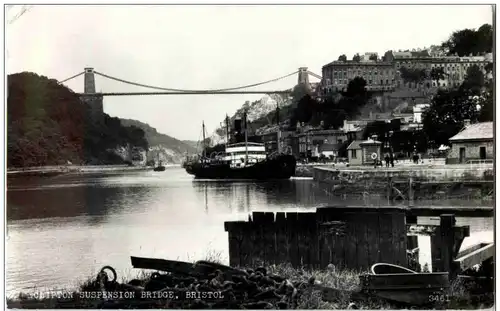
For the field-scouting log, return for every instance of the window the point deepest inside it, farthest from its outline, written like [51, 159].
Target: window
[339, 141]
[387, 81]
[381, 82]
[353, 153]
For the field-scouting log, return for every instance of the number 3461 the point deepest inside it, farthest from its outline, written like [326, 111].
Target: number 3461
[439, 298]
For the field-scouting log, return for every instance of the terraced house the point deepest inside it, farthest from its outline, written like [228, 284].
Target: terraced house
[385, 75]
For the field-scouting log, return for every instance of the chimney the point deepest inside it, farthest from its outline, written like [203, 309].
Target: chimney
[466, 122]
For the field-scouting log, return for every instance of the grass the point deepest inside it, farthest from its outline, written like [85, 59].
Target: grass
[346, 281]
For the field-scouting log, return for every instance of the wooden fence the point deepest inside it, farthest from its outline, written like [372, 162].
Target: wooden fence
[351, 237]
[344, 237]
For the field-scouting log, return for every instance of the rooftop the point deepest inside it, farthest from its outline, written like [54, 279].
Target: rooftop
[355, 145]
[360, 63]
[475, 131]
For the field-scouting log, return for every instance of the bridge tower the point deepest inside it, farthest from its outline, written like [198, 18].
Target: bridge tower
[303, 77]
[94, 101]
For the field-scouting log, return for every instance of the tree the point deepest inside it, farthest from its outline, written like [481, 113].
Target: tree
[356, 86]
[48, 124]
[373, 57]
[414, 75]
[474, 81]
[470, 41]
[298, 92]
[356, 58]
[437, 74]
[342, 58]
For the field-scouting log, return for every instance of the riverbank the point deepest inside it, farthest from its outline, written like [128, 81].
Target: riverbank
[48, 171]
[285, 288]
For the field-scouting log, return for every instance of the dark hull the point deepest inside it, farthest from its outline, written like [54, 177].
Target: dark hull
[159, 169]
[280, 167]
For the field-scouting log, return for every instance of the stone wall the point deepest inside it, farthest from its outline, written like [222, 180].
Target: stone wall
[442, 173]
[471, 151]
[428, 182]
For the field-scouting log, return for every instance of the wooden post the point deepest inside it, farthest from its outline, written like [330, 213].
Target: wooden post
[410, 193]
[443, 245]
[389, 188]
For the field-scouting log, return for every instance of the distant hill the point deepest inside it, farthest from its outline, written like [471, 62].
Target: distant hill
[192, 143]
[48, 124]
[172, 150]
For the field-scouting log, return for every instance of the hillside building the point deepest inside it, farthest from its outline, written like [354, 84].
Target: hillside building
[379, 76]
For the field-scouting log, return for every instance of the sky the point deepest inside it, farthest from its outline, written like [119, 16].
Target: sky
[210, 47]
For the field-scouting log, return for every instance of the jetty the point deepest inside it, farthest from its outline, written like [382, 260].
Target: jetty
[356, 238]
[409, 183]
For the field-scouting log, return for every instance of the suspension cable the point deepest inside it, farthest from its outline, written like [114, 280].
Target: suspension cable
[77, 75]
[180, 90]
[314, 75]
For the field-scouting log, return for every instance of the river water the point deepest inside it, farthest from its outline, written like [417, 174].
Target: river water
[62, 230]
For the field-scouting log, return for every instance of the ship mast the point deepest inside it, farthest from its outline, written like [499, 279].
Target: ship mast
[204, 147]
[246, 137]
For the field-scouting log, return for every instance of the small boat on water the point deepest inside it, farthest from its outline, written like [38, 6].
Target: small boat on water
[159, 167]
[242, 160]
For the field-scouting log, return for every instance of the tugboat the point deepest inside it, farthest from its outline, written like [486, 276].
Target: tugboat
[160, 167]
[242, 159]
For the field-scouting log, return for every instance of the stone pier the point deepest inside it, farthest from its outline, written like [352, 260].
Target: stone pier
[409, 181]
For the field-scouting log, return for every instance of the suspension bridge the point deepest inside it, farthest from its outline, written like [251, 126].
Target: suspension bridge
[90, 89]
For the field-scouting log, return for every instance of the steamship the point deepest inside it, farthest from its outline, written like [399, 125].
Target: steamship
[240, 158]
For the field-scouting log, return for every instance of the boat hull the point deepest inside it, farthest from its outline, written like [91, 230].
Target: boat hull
[280, 167]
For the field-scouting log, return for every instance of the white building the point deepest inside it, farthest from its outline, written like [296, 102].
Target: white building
[418, 110]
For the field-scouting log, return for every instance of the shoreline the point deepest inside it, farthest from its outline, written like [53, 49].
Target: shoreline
[327, 288]
[48, 171]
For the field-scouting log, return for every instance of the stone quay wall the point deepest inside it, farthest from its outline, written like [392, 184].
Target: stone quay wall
[380, 180]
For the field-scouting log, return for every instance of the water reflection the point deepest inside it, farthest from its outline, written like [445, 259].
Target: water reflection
[65, 228]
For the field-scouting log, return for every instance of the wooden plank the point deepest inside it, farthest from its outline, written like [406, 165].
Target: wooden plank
[475, 257]
[373, 238]
[405, 281]
[333, 225]
[416, 211]
[301, 232]
[338, 250]
[386, 250]
[470, 249]
[437, 265]
[174, 266]
[312, 241]
[234, 249]
[259, 243]
[324, 241]
[447, 224]
[362, 222]
[246, 247]
[280, 246]
[292, 229]
[269, 234]
[234, 239]
[400, 238]
[351, 242]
